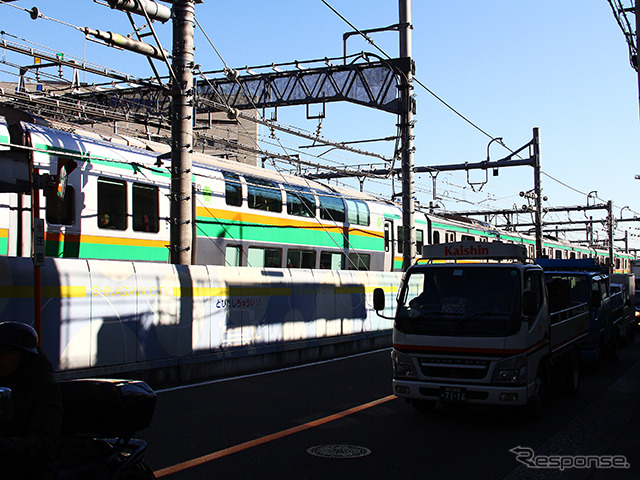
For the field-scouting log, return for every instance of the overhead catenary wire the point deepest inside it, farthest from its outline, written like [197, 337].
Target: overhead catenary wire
[271, 123]
[437, 97]
[417, 81]
[229, 109]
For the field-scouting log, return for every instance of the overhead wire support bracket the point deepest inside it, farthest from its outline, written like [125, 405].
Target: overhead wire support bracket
[151, 11]
[577, 208]
[507, 161]
[364, 34]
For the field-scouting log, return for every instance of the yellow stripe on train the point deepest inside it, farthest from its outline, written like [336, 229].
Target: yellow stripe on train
[253, 218]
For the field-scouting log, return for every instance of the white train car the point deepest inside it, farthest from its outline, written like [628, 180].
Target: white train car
[281, 263]
[116, 206]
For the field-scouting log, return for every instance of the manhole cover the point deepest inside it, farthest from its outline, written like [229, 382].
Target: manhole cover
[338, 451]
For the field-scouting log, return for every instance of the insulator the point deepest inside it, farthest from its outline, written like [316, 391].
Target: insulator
[154, 10]
[117, 40]
[233, 113]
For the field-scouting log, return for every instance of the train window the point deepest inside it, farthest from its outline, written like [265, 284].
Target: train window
[61, 211]
[572, 255]
[232, 189]
[617, 263]
[358, 212]
[112, 204]
[359, 261]
[419, 240]
[301, 259]
[558, 254]
[468, 238]
[145, 208]
[264, 195]
[331, 260]
[451, 237]
[436, 237]
[233, 255]
[331, 208]
[300, 202]
[264, 257]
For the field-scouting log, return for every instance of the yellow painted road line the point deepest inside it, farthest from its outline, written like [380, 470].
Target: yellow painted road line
[267, 438]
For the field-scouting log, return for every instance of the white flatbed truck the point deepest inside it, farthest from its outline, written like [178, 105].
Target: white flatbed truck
[472, 325]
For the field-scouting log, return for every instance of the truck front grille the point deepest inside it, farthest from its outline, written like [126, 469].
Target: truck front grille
[463, 368]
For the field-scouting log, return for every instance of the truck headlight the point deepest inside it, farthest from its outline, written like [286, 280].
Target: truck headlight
[402, 366]
[511, 370]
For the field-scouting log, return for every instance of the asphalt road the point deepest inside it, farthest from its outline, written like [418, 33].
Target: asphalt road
[339, 420]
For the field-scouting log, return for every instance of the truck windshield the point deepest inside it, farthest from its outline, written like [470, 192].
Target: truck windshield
[482, 301]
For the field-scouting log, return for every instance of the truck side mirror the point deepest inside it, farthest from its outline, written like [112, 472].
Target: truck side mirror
[596, 299]
[378, 299]
[529, 303]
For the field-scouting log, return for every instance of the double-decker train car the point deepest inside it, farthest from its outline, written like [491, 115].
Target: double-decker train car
[281, 264]
[107, 199]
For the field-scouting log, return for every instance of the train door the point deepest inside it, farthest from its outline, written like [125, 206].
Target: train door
[15, 203]
[16, 225]
[389, 250]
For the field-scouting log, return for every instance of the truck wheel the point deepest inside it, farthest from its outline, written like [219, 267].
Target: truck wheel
[423, 406]
[536, 402]
[571, 380]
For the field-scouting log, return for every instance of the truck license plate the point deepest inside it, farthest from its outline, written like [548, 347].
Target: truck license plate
[453, 394]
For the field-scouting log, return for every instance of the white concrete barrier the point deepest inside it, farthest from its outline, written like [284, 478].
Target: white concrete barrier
[121, 316]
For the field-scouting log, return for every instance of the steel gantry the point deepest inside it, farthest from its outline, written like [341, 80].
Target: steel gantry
[369, 83]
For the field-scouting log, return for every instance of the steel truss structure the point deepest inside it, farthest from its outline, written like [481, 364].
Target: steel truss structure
[371, 84]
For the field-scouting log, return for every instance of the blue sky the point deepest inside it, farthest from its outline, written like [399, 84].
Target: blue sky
[506, 65]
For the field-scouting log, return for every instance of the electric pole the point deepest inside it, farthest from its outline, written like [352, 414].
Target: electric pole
[637, 12]
[610, 232]
[406, 128]
[537, 190]
[182, 103]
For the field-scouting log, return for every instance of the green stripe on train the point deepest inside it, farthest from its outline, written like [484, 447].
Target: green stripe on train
[290, 235]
